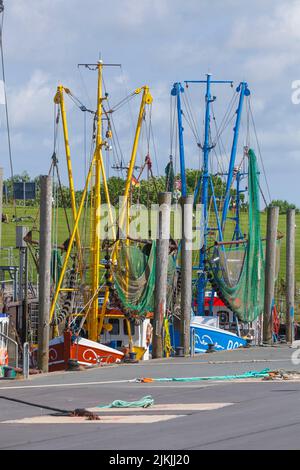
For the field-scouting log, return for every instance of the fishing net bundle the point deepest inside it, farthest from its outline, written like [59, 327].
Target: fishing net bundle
[134, 277]
[239, 269]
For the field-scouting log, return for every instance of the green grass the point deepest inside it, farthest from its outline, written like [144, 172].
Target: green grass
[9, 231]
[9, 234]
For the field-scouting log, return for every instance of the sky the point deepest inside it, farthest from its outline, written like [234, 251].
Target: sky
[158, 42]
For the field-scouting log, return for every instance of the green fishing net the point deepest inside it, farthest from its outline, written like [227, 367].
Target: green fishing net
[134, 276]
[238, 269]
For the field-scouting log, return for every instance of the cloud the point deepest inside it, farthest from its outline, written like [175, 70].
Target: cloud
[31, 104]
[158, 42]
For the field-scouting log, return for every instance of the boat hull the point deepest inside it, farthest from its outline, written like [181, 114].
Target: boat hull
[221, 339]
[85, 352]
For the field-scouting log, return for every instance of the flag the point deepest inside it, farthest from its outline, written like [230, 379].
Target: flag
[135, 182]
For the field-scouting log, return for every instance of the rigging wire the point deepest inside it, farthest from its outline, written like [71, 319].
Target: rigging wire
[190, 108]
[190, 119]
[6, 101]
[260, 155]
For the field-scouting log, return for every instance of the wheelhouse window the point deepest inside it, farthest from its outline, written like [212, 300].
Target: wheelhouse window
[115, 326]
[132, 327]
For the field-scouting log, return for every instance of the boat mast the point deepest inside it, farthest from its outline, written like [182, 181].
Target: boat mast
[176, 90]
[244, 91]
[124, 209]
[95, 247]
[206, 182]
[60, 101]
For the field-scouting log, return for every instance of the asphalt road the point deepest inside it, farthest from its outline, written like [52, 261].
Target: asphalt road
[249, 414]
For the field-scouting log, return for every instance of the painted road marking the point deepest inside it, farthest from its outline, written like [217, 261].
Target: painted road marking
[132, 419]
[166, 407]
[76, 384]
[203, 383]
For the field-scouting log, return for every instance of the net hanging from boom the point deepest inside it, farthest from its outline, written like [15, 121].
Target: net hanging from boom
[134, 277]
[238, 269]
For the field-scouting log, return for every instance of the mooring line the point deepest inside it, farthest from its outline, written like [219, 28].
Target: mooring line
[34, 405]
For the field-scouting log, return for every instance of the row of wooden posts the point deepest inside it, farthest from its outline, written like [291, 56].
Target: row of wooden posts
[162, 272]
[186, 273]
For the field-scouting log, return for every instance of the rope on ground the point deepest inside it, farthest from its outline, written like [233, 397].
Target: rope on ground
[247, 375]
[144, 402]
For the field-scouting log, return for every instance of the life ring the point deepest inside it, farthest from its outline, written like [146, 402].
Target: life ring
[149, 334]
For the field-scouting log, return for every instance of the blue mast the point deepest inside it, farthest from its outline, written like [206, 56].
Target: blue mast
[176, 90]
[244, 91]
[205, 180]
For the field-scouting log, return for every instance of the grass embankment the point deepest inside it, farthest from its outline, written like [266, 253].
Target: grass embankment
[61, 233]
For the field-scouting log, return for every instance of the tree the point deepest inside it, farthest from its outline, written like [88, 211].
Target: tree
[283, 206]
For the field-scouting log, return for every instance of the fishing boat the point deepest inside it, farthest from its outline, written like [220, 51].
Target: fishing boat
[89, 323]
[207, 335]
[68, 348]
[228, 279]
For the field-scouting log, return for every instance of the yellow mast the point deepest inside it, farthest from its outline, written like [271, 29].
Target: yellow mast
[59, 99]
[95, 321]
[146, 99]
[96, 232]
[95, 248]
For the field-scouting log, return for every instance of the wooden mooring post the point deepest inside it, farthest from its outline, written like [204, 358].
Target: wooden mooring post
[290, 274]
[161, 280]
[44, 271]
[270, 267]
[186, 272]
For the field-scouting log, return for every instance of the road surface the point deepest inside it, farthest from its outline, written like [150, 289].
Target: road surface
[186, 416]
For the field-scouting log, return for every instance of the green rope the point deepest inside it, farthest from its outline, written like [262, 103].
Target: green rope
[247, 375]
[144, 402]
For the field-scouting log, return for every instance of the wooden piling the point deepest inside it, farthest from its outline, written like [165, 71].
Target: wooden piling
[186, 272]
[290, 274]
[44, 271]
[270, 267]
[162, 253]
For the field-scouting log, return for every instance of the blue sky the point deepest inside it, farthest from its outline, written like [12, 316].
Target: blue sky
[158, 42]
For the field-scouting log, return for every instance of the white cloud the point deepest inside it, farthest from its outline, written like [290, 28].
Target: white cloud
[31, 104]
[158, 42]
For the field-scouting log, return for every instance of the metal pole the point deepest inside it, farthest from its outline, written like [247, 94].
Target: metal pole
[25, 298]
[290, 274]
[193, 342]
[1, 201]
[176, 90]
[26, 360]
[44, 271]
[244, 91]
[270, 266]
[204, 197]
[162, 253]
[186, 272]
